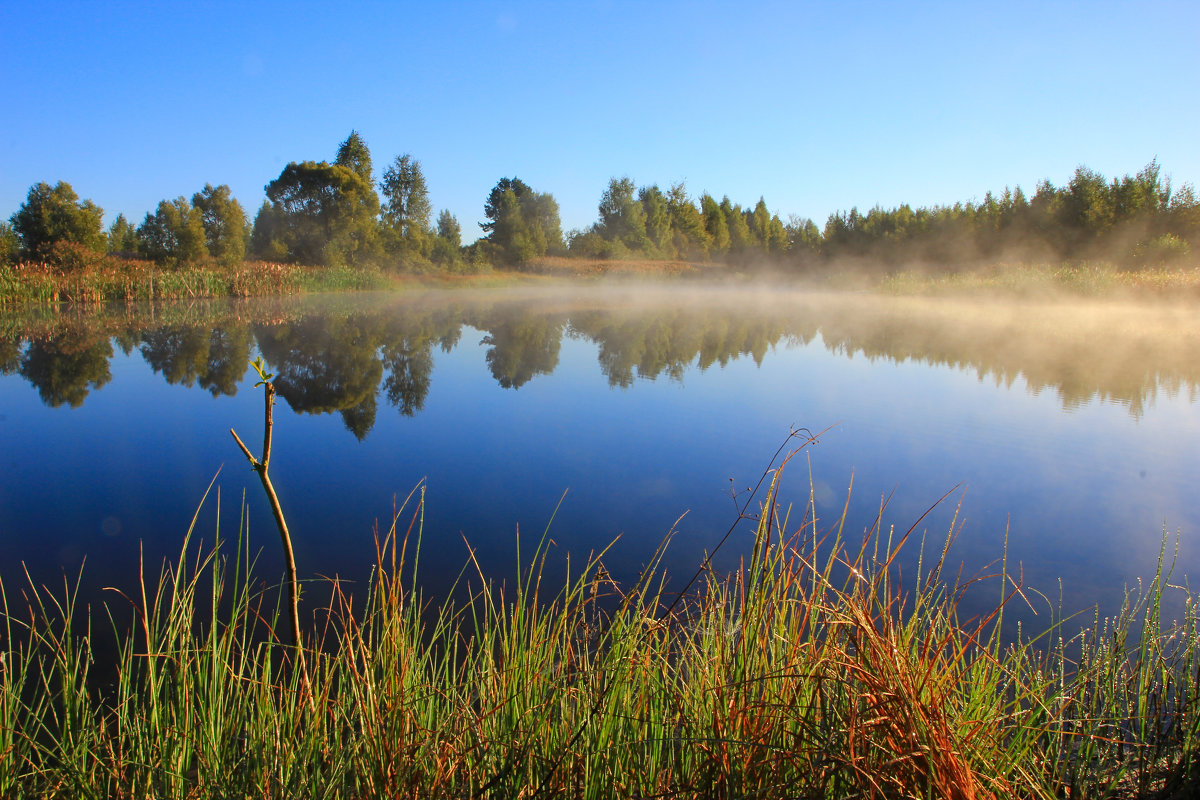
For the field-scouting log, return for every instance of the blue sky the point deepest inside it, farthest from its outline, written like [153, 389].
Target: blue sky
[816, 107]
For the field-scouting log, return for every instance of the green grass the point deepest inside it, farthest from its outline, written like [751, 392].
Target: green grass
[809, 672]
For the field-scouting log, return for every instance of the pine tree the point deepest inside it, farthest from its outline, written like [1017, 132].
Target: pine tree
[714, 223]
[122, 236]
[658, 219]
[688, 235]
[355, 155]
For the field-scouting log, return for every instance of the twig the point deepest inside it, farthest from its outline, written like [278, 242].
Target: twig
[260, 466]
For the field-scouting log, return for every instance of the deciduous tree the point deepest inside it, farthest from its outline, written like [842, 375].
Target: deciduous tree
[804, 239]
[447, 245]
[324, 214]
[10, 244]
[622, 218]
[173, 234]
[448, 228]
[266, 236]
[522, 224]
[53, 214]
[224, 224]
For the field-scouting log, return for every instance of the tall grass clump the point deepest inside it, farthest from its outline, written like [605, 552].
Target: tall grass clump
[812, 670]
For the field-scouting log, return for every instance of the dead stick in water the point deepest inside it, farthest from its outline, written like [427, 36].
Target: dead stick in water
[260, 466]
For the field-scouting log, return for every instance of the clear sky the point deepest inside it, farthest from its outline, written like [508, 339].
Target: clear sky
[816, 107]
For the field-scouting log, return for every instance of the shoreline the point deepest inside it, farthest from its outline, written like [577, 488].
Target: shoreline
[116, 281]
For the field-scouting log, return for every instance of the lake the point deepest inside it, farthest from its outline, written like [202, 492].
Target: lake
[607, 415]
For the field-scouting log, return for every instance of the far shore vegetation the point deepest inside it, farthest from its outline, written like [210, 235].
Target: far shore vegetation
[331, 226]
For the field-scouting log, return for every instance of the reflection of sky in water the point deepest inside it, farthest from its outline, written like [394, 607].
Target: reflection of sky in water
[1085, 494]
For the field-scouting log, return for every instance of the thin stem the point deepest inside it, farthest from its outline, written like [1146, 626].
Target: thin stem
[260, 466]
[269, 397]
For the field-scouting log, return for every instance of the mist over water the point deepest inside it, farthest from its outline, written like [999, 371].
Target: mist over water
[1068, 426]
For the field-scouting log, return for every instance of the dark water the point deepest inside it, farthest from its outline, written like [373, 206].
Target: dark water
[1074, 428]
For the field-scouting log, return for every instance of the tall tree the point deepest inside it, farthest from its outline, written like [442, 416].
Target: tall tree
[55, 214]
[522, 224]
[760, 226]
[1139, 197]
[739, 232]
[769, 230]
[448, 228]
[1183, 215]
[325, 213]
[406, 207]
[224, 224]
[356, 156]
[266, 236]
[1089, 205]
[714, 223]
[541, 213]
[447, 245]
[122, 236]
[622, 218]
[510, 233]
[690, 238]
[173, 234]
[1045, 209]
[658, 219]
[804, 239]
[491, 207]
[10, 244]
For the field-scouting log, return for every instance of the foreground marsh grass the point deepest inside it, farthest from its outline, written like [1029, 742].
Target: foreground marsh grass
[810, 672]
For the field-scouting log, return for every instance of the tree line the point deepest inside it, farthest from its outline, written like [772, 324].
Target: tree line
[336, 213]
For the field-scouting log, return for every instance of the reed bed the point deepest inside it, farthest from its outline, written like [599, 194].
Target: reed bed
[810, 672]
[110, 279]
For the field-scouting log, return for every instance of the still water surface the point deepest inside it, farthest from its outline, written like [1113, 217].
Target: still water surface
[633, 412]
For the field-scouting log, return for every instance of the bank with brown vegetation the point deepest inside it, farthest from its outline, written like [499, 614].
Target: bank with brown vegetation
[110, 279]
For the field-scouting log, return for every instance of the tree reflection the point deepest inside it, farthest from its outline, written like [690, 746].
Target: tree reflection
[340, 360]
[327, 365]
[187, 355]
[359, 419]
[410, 370]
[651, 343]
[65, 368]
[408, 354]
[10, 354]
[228, 355]
[522, 347]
